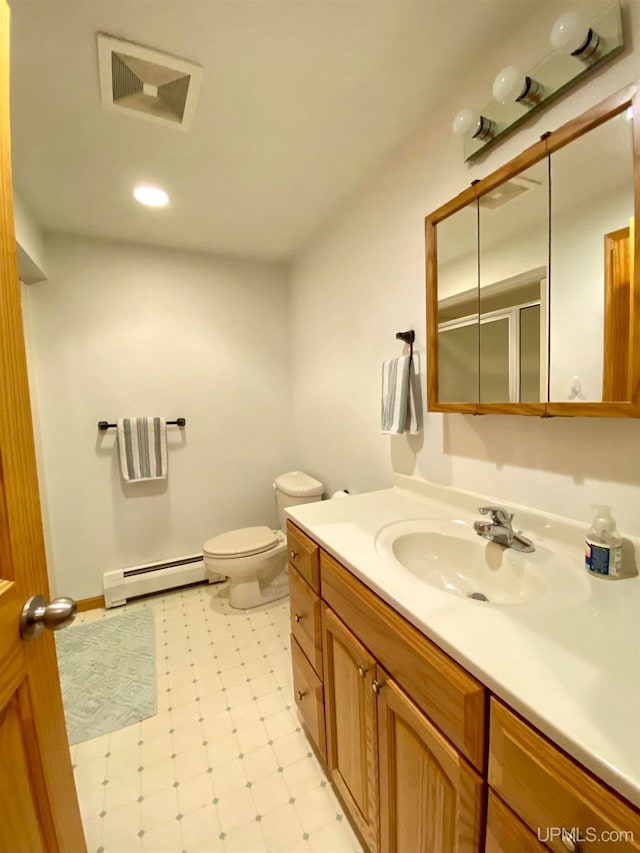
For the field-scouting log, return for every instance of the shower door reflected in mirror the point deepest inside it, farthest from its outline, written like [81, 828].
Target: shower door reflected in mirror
[514, 243]
[592, 206]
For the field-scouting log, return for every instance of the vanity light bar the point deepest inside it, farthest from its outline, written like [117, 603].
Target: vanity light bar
[579, 47]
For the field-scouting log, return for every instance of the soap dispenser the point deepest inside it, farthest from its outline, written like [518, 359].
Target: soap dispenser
[603, 545]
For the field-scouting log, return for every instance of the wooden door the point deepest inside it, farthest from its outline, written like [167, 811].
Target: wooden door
[350, 710]
[38, 803]
[618, 305]
[431, 800]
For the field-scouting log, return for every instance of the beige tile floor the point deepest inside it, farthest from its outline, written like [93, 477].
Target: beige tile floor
[224, 765]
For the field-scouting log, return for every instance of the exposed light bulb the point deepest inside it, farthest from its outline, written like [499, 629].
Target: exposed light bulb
[151, 196]
[468, 122]
[511, 84]
[572, 34]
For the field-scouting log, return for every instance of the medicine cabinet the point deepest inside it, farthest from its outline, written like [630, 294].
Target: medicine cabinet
[533, 285]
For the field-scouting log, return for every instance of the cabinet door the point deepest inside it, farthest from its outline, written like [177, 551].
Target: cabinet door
[431, 800]
[350, 709]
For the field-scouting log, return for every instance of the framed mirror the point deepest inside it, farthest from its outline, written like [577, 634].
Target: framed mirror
[533, 286]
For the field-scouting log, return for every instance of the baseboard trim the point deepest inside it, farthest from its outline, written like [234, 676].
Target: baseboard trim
[90, 603]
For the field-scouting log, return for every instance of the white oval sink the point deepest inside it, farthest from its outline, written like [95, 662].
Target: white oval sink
[450, 556]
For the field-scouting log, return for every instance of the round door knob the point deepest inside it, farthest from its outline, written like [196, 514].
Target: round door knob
[37, 614]
[376, 685]
[301, 694]
[298, 617]
[294, 554]
[363, 670]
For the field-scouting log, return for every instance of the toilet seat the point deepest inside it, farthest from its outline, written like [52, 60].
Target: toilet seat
[243, 542]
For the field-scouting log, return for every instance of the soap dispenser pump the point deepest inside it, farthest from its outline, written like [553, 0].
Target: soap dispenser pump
[603, 545]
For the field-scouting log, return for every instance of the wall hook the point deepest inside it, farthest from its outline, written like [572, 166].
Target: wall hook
[408, 337]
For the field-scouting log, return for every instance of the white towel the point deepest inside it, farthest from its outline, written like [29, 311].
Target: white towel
[399, 395]
[142, 443]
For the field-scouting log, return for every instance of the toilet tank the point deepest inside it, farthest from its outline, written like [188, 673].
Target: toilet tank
[293, 489]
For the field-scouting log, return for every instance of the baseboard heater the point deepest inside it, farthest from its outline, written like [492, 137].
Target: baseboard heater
[122, 584]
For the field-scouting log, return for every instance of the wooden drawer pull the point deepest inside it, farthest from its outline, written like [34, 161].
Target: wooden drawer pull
[376, 686]
[569, 841]
[294, 554]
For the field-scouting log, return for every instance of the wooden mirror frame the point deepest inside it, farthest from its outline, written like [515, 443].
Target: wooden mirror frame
[630, 406]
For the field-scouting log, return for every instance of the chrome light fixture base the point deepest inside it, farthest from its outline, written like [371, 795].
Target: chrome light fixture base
[601, 40]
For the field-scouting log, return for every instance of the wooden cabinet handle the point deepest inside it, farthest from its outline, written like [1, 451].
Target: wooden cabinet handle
[298, 616]
[569, 841]
[301, 693]
[376, 686]
[294, 554]
[363, 670]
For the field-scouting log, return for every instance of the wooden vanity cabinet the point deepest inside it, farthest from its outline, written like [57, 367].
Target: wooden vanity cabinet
[309, 697]
[447, 694]
[405, 786]
[506, 833]
[351, 718]
[430, 798]
[409, 737]
[306, 638]
[304, 556]
[304, 604]
[549, 791]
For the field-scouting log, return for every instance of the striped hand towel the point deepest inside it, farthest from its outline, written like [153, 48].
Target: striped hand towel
[142, 443]
[399, 396]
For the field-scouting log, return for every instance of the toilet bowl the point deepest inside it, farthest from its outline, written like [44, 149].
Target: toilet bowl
[255, 558]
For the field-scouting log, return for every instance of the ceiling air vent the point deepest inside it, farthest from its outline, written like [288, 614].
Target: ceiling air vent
[507, 191]
[149, 84]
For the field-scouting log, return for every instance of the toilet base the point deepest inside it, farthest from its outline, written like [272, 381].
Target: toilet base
[247, 593]
[256, 579]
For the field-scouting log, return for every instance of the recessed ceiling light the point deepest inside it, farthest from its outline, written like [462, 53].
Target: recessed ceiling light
[151, 196]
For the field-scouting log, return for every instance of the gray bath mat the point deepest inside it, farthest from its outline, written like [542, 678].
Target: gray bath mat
[108, 673]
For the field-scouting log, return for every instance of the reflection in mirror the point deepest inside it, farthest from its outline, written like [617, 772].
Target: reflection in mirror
[590, 293]
[514, 243]
[458, 337]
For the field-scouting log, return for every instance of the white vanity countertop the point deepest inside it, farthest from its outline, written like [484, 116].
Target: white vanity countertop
[572, 669]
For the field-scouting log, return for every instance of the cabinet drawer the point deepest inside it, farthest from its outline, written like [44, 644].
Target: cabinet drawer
[443, 690]
[549, 791]
[506, 832]
[304, 555]
[308, 693]
[305, 619]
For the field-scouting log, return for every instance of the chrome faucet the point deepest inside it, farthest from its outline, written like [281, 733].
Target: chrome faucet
[499, 529]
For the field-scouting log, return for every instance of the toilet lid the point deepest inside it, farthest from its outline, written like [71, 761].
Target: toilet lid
[242, 542]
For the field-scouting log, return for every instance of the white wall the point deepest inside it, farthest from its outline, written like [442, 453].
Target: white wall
[362, 279]
[122, 330]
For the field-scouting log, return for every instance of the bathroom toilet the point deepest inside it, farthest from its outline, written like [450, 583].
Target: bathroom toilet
[255, 558]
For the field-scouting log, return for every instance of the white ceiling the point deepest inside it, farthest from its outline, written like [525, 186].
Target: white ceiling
[301, 101]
